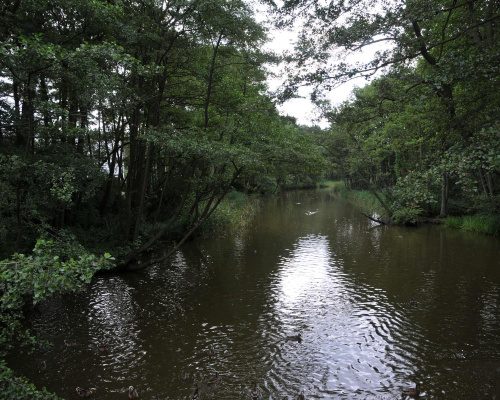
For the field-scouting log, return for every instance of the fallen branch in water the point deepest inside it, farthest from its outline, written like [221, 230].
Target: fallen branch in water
[376, 220]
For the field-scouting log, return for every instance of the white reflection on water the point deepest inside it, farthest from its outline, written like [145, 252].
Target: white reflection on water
[304, 273]
[349, 329]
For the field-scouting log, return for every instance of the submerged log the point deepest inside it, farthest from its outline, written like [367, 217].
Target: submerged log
[378, 221]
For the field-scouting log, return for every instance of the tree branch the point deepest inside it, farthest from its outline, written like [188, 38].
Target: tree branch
[375, 219]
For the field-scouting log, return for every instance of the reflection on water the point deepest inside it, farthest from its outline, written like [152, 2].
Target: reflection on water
[378, 309]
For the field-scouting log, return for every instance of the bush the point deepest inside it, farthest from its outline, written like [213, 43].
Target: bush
[49, 270]
[407, 216]
[487, 224]
[334, 186]
[53, 267]
[453, 222]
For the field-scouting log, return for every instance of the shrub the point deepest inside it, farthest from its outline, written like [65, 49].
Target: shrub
[407, 216]
[453, 222]
[233, 212]
[53, 267]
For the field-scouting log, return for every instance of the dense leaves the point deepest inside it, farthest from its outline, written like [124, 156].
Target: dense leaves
[25, 280]
[53, 267]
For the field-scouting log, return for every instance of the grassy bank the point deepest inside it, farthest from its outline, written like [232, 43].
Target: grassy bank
[362, 198]
[232, 214]
[481, 223]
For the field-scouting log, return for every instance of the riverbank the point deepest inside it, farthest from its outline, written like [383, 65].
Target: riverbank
[487, 224]
[481, 223]
[361, 198]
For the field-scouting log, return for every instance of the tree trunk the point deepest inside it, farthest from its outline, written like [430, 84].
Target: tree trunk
[142, 191]
[83, 127]
[483, 182]
[18, 216]
[17, 112]
[114, 156]
[490, 184]
[211, 78]
[131, 171]
[382, 203]
[444, 195]
[73, 115]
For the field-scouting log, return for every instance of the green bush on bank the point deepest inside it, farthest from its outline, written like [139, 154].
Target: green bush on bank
[488, 224]
[407, 216]
[334, 186]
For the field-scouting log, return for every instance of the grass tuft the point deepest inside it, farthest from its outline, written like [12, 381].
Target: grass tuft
[233, 213]
[481, 223]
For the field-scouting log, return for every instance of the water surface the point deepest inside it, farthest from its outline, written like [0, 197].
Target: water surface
[378, 308]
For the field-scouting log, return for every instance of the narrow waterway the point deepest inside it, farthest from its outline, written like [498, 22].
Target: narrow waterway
[378, 309]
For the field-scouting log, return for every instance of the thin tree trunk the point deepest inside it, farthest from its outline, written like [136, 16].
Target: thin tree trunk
[18, 216]
[210, 79]
[112, 166]
[483, 182]
[83, 126]
[73, 115]
[17, 111]
[142, 191]
[131, 171]
[444, 195]
[490, 184]
[382, 203]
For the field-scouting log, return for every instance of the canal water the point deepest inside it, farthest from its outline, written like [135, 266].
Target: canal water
[378, 309]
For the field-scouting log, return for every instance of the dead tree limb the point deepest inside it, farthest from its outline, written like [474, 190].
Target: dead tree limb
[376, 220]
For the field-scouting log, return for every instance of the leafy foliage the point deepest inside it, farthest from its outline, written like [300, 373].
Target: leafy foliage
[53, 267]
[17, 388]
[123, 124]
